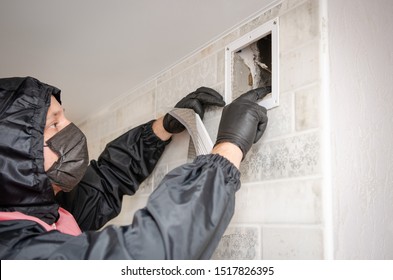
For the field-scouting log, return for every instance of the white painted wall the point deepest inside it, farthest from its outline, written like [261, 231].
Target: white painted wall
[361, 72]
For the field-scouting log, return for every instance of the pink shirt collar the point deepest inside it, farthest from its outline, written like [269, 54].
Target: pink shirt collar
[65, 224]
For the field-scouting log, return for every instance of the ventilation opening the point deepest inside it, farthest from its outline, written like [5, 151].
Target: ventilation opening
[252, 62]
[252, 66]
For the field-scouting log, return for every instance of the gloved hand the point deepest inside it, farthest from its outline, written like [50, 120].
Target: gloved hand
[243, 121]
[198, 100]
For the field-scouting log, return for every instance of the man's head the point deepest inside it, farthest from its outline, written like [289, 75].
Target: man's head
[65, 149]
[31, 117]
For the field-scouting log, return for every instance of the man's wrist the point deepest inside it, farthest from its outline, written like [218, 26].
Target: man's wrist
[159, 130]
[230, 151]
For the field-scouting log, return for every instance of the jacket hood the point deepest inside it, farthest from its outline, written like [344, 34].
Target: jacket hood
[24, 185]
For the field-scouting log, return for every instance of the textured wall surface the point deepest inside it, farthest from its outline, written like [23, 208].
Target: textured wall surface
[279, 207]
[362, 126]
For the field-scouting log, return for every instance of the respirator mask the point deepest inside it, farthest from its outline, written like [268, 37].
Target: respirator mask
[71, 146]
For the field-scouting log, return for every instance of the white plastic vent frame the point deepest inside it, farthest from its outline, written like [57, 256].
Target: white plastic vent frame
[270, 27]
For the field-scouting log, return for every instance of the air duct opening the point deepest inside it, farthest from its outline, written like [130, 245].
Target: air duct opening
[252, 62]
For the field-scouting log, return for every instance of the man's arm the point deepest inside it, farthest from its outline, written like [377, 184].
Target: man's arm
[126, 162]
[119, 170]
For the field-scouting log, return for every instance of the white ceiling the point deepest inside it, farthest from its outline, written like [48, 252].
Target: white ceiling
[96, 50]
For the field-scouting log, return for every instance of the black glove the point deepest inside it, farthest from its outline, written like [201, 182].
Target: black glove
[243, 122]
[198, 100]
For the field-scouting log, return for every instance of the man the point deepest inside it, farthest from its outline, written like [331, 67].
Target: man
[52, 201]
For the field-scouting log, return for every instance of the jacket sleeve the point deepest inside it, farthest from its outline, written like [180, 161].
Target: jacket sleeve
[122, 166]
[188, 213]
[184, 218]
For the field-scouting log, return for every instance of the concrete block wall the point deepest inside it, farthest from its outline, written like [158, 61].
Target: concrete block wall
[279, 210]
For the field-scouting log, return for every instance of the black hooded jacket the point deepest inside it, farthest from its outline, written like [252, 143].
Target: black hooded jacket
[184, 218]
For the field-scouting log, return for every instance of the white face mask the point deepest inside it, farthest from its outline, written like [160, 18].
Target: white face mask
[71, 146]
